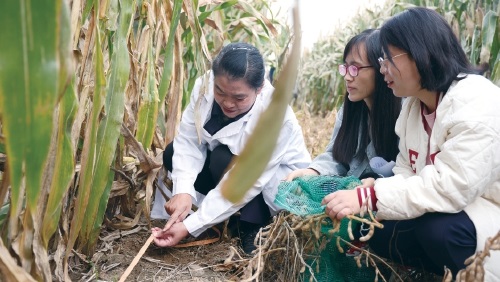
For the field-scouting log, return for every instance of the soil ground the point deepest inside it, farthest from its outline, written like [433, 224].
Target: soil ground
[157, 264]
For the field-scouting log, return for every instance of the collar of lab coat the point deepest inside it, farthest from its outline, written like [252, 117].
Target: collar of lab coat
[261, 103]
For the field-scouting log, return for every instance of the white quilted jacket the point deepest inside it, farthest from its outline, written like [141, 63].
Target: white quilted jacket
[465, 174]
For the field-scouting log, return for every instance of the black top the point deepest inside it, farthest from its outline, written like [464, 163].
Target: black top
[218, 120]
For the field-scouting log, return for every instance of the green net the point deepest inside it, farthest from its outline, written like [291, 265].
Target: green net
[303, 197]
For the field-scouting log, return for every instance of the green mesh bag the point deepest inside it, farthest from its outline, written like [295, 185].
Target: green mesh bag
[303, 197]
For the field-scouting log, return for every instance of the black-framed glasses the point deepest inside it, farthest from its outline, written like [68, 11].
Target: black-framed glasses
[382, 60]
[353, 70]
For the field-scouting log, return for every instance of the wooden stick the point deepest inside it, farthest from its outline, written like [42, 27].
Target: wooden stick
[136, 259]
[150, 240]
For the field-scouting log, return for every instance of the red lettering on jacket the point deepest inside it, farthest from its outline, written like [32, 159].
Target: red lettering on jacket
[413, 156]
[432, 156]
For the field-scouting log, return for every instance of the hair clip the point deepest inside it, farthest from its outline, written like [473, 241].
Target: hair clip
[240, 48]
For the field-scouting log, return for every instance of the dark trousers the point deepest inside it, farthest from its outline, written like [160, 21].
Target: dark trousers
[431, 241]
[254, 212]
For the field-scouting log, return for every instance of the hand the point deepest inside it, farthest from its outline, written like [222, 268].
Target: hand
[367, 182]
[178, 208]
[169, 237]
[341, 203]
[301, 172]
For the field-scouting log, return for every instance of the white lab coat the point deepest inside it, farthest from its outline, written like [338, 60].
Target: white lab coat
[189, 155]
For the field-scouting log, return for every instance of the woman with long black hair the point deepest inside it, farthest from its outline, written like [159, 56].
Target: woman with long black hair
[364, 126]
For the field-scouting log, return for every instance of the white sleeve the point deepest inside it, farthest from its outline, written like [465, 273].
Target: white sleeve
[189, 153]
[215, 208]
[463, 170]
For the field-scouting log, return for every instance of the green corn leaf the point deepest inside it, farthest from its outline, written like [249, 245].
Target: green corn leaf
[64, 163]
[168, 64]
[252, 161]
[29, 78]
[4, 210]
[34, 52]
[495, 73]
[224, 5]
[201, 55]
[169, 51]
[148, 109]
[109, 128]
[64, 155]
[490, 38]
[93, 235]
[86, 11]
[89, 146]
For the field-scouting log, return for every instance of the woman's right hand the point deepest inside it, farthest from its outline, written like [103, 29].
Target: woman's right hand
[178, 208]
[301, 172]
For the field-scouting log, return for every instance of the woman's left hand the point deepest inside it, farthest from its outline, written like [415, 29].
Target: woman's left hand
[367, 182]
[169, 237]
[341, 203]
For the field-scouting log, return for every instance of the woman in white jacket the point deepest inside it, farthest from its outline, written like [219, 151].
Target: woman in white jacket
[444, 200]
[224, 108]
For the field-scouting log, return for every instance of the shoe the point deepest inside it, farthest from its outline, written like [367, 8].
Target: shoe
[247, 234]
[357, 249]
[412, 273]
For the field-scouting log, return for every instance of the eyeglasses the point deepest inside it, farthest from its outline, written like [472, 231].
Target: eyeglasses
[382, 60]
[353, 70]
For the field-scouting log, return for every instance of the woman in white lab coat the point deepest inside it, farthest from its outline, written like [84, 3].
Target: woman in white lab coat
[224, 108]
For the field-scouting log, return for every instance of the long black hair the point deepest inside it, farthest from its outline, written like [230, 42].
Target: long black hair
[359, 124]
[240, 61]
[429, 40]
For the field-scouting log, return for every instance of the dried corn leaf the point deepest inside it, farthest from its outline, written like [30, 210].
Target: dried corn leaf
[252, 161]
